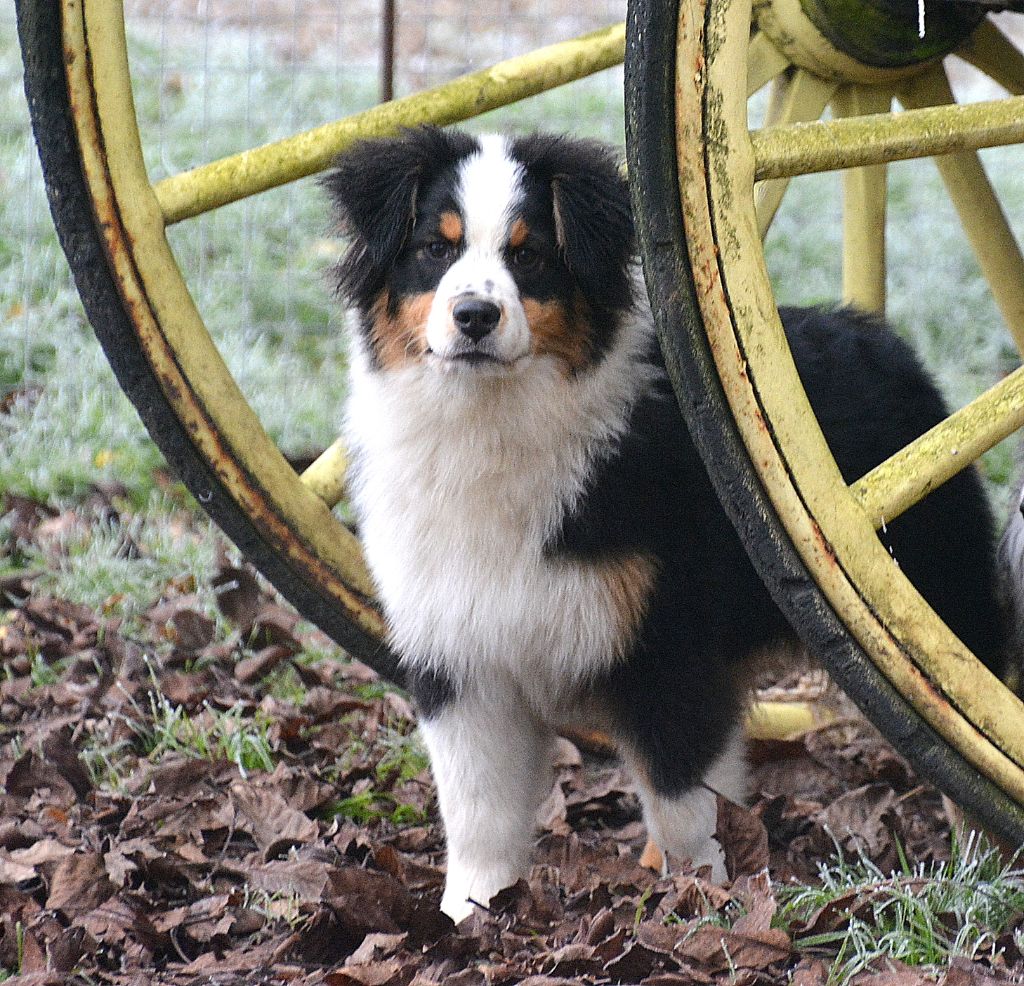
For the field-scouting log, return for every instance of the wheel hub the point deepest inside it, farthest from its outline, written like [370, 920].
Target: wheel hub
[865, 40]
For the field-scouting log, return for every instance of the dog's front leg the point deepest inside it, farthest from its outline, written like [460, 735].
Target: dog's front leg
[491, 760]
[681, 820]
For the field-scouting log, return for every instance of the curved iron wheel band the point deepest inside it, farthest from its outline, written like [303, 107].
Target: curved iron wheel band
[811, 536]
[112, 222]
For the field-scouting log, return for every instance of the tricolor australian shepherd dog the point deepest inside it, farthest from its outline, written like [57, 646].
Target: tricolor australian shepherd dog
[547, 546]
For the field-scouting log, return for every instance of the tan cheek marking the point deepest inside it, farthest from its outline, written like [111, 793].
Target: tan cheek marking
[400, 338]
[518, 233]
[629, 583]
[555, 333]
[451, 227]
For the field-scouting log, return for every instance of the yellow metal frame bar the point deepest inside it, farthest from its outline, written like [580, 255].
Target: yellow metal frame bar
[827, 525]
[250, 172]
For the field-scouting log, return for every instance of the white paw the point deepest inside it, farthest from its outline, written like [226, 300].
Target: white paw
[711, 854]
[458, 910]
[466, 888]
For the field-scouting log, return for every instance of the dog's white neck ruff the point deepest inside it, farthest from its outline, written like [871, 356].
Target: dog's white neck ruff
[460, 480]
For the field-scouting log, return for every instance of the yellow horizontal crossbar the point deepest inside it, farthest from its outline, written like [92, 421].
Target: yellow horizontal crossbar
[238, 176]
[828, 145]
[939, 454]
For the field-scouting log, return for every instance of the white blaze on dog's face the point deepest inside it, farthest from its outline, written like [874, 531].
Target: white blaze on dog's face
[467, 251]
[477, 317]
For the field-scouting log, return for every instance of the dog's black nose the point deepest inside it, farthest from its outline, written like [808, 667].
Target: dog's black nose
[476, 317]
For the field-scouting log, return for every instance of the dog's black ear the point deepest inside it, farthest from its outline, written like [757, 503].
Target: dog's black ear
[593, 218]
[373, 186]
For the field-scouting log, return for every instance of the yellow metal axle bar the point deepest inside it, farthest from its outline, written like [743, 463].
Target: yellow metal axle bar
[805, 148]
[212, 185]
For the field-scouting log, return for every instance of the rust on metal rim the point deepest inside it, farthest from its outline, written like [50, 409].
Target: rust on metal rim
[194, 378]
[915, 651]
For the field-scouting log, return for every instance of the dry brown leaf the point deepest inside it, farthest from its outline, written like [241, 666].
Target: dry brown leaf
[79, 883]
[260, 664]
[192, 630]
[273, 823]
[743, 838]
[238, 595]
[718, 949]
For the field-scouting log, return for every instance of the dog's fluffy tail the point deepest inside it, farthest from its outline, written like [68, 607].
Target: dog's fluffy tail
[1010, 562]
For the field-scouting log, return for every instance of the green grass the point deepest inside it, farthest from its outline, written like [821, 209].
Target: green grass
[922, 916]
[211, 735]
[398, 757]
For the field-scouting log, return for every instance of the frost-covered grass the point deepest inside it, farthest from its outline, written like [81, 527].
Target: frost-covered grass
[121, 567]
[922, 916]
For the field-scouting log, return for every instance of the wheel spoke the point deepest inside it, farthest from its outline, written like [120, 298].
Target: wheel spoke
[913, 472]
[797, 98]
[764, 62]
[991, 238]
[805, 148]
[993, 53]
[825, 523]
[238, 176]
[864, 201]
[326, 476]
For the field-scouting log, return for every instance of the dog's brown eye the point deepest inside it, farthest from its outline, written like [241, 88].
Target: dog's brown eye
[526, 259]
[439, 250]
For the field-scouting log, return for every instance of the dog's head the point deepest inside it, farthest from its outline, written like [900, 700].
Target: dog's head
[478, 255]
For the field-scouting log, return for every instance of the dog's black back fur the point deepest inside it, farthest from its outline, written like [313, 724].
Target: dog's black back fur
[710, 611]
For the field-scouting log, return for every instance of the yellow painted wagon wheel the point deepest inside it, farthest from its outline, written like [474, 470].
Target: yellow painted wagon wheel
[112, 222]
[705, 187]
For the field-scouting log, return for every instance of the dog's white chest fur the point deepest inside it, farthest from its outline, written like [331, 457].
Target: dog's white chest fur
[460, 483]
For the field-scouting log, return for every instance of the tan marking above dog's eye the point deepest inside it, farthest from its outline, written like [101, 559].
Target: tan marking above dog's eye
[518, 233]
[450, 227]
